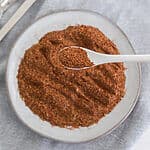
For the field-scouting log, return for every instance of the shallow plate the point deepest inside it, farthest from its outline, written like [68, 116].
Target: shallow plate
[59, 21]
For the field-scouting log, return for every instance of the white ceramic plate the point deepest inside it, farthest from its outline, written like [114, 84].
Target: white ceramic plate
[59, 21]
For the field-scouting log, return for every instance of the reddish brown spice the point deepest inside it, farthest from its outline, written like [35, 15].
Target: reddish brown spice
[68, 98]
[71, 57]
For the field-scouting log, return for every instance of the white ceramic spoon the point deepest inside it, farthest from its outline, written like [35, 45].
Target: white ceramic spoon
[99, 58]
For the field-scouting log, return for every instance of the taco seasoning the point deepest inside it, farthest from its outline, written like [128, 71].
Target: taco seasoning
[74, 58]
[70, 98]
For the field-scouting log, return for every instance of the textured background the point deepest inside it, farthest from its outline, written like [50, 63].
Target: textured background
[133, 16]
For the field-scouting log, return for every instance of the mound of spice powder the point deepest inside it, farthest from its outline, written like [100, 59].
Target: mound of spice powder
[69, 98]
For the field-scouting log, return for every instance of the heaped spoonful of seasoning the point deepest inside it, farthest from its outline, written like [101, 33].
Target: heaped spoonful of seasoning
[78, 58]
[74, 57]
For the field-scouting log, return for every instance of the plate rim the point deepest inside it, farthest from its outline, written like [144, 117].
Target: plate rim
[138, 66]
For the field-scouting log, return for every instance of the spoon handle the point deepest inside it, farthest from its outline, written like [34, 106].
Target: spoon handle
[127, 58]
[99, 58]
